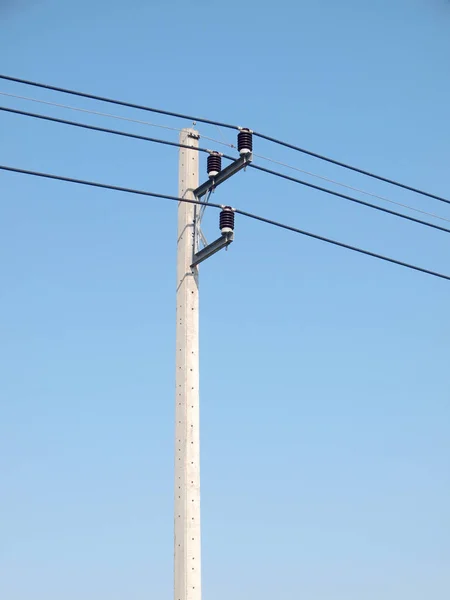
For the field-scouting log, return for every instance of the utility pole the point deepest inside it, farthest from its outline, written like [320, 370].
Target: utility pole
[187, 538]
[187, 568]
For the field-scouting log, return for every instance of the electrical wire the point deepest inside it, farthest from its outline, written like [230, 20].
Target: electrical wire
[229, 145]
[203, 208]
[179, 145]
[159, 111]
[340, 244]
[349, 187]
[104, 130]
[91, 112]
[107, 186]
[205, 150]
[333, 181]
[236, 210]
[112, 116]
[350, 167]
[227, 126]
[346, 197]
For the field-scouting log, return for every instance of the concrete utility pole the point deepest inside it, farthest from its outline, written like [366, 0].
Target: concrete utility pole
[187, 430]
[187, 567]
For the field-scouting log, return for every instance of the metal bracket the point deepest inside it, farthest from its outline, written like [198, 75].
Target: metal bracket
[222, 242]
[225, 174]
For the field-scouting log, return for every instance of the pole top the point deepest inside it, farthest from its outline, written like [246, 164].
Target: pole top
[192, 133]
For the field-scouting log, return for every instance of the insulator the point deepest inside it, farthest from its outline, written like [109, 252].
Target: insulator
[226, 220]
[245, 141]
[214, 165]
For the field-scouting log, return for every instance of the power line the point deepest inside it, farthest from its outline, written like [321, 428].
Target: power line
[219, 206]
[112, 116]
[178, 145]
[340, 244]
[350, 167]
[229, 145]
[159, 111]
[349, 187]
[333, 181]
[91, 112]
[228, 126]
[107, 186]
[346, 197]
[103, 129]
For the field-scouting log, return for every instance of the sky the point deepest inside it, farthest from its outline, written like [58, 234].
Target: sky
[324, 373]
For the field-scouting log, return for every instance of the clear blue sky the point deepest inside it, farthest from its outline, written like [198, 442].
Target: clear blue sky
[325, 387]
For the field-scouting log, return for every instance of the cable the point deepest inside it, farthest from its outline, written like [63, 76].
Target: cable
[229, 145]
[349, 187]
[91, 112]
[356, 200]
[350, 167]
[236, 210]
[340, 244]
[104, 130]
[178, 145]
[107, 186]
[203, 208]
[112, 116]
[159, 111]
[228, 126]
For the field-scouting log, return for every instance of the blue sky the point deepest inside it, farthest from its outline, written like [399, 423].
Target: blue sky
[324, 383]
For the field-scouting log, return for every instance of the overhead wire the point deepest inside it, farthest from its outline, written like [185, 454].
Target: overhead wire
[334, 182]
[107, 186]
[350, 167]
[227, 126]
[111, 116]
[229, 145]
[159, 111]
[206, 150]
[89, 111]
[219, 206]
[340, 244]
[350, 198]
[350, 187]
[105, 130]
